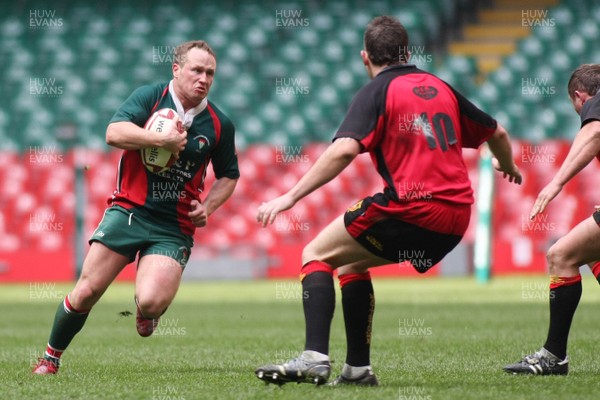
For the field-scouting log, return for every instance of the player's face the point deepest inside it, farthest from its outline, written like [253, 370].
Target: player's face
[194, 78]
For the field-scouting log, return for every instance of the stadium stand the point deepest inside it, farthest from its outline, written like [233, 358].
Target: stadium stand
[286, 88]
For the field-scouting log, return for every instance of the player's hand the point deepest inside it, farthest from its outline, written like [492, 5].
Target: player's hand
[512, 171]
[544, 198]
[198, 215]
[175, 140]
[268, 211]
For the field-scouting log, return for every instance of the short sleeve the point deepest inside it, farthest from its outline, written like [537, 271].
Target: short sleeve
[364, 116]
[138, 105]
[224, 156]
[590, 111]
[476, 125]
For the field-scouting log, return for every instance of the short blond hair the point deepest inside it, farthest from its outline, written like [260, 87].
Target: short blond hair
[182, 50]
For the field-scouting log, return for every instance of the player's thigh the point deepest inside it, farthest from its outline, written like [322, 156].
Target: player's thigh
[158, 278]
[100, 267]
[335, 246]
[580, 246]
[390, 240]
[395, 241]
[113, 245]
[161, 266]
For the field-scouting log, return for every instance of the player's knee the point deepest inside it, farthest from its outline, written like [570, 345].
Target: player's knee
[309, 253]
[560, 261]
[84, 295]
[152, 307]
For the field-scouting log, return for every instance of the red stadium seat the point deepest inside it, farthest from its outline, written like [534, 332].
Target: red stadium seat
[50, 241]
[264, 238]
[101, 180]
[9, 243]
[314, 150]
[58, 182]
[262, 155]
[13, 180]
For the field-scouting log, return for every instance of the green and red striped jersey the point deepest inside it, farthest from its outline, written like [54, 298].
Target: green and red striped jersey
[165, 198]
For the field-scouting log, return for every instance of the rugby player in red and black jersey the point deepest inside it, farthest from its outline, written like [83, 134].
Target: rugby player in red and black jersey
[154, 215]
[578, 247]
[414, 126]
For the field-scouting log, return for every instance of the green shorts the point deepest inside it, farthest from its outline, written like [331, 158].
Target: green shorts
[127, 233]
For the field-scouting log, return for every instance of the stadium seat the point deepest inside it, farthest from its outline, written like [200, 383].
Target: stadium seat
[9, 243]
[107, 52]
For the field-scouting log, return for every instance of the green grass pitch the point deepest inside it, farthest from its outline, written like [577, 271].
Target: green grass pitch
[433, 339]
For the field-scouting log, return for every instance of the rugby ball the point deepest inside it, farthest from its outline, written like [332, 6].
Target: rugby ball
[157, 159]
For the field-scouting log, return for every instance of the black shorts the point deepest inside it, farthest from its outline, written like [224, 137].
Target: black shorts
[596, 215]
[394, 239]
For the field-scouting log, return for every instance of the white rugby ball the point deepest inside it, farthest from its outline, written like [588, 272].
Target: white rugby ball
[157, 159]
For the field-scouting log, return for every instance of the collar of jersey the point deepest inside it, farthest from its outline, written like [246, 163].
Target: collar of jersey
[398, 66]
[186, 117]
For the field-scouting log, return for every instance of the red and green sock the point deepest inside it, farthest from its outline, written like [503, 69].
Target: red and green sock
[67, 323]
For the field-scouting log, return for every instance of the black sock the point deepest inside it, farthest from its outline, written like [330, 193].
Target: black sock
[563, 303]
[318, 299]
[358, 301]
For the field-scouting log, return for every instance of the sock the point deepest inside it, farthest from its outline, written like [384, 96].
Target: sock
[596, 271]
[565, 293]
[314, 356]
[318, 299]
[546, 353]
[67, 322]
[351, 372]
[358, 302]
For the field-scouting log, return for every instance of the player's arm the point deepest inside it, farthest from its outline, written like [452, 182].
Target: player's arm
[500, 147]
[128, 136]
[220, 191]
[225, 166]
[333, 161]
[476, 128]
[583, 150]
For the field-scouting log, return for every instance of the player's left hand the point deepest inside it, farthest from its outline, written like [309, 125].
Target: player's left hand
[198, 215]
[544, 198]
[268, 211]
[511, 172]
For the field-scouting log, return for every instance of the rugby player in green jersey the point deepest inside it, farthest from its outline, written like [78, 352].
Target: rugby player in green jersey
[154, 216]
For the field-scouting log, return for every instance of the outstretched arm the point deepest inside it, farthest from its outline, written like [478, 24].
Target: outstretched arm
[333, 161]
[583, 150]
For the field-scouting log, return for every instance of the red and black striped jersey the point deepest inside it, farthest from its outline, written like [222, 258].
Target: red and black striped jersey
[414, 126]
[590, 110]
